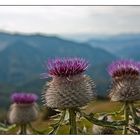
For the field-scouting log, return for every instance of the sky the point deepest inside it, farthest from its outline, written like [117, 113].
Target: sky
[70, 20]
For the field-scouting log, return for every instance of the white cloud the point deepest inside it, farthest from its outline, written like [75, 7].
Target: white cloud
[71, 19]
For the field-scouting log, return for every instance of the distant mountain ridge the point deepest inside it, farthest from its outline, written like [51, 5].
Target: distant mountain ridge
[124, 46]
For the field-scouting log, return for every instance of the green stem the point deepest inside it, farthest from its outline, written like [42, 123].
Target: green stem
[72, 121]
[23, 129]
[133, 113]
[126, 118]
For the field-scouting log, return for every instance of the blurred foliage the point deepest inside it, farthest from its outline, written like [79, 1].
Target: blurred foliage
[43, 123]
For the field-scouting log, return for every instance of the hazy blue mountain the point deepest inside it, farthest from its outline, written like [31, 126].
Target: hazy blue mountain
[19, 62]
[115, 44]
[131, 52]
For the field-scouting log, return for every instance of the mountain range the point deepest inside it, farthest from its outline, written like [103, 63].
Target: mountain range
[22, 59]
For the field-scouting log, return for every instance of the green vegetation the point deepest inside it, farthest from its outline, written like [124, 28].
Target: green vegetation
[100, 106]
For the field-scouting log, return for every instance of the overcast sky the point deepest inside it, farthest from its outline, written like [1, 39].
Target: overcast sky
[71, 19]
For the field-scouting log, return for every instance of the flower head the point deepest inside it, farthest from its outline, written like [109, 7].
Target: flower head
[23, 98]
[65, 67]
[125, 74]
[69, 87]
[123, 68]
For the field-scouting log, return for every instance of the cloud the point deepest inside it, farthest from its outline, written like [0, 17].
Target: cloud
[71, 19]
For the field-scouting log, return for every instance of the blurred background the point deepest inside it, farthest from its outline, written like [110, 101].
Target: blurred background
[29, 35]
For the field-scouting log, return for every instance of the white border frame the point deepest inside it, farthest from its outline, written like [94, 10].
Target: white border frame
[70, 2]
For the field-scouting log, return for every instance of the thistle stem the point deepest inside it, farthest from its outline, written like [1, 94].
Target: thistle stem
[23, 129]
[126, 118]
[72, 121]
[133, 113]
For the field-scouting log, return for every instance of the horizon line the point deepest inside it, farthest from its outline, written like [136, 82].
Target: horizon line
[67, 34]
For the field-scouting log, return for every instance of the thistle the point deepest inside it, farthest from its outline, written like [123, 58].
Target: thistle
[23, 110]
[126, 86]
[125, 75]
[69, 87]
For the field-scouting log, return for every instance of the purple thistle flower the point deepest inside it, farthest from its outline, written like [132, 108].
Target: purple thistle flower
[69, 87]
[23, 98]
[65, 67]
[124, 68]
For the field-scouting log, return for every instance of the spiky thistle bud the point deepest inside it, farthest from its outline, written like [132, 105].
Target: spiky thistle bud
[100, 130]
[126, 83]
[24, 108]
[69, 86]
